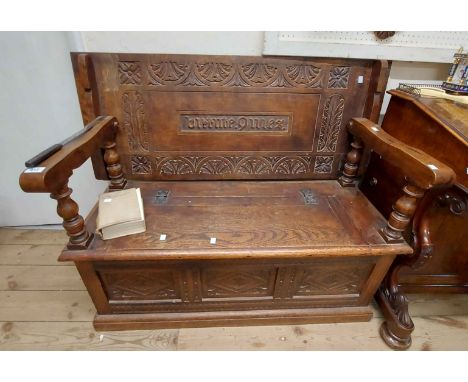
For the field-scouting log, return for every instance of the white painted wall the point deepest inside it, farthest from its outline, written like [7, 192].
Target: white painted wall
[39, 105]
[240, 43]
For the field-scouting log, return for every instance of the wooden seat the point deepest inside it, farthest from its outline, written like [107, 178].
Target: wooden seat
[245, 166]
[262, 219]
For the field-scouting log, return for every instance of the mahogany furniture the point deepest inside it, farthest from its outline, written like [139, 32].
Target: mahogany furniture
[239, 161]
[439, 232]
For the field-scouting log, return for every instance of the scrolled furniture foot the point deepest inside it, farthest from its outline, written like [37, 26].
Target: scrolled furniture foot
[392, 340]
[397, 328]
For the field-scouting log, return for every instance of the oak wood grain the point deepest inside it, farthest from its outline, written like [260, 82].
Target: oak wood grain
[31, 254]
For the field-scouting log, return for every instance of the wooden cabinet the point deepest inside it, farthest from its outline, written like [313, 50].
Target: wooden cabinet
[440, 128]
[439, 229]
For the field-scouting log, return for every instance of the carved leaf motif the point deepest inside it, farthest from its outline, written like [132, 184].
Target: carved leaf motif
[323, 164]
[134, 121]
[304, 74]
[216, 166]
[237, 79]
[192, 79]
[290, 166]
[339, 77]
[254, 165]
[166, 71]
[219, 165]
[176, 167]
[141, 165]
[130, 73]
[331, 123]
[214, 72]
[259, 73]
[280, 81]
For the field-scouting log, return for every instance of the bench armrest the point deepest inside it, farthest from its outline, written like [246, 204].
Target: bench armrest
[420, 168]
[421, 171]
[54, 166]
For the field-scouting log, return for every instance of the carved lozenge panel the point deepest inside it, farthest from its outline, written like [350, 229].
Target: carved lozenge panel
[329, 280]
[238, 282]
[140, 285]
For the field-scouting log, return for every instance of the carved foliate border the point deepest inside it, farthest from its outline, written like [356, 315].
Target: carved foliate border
[330, 126]
[231, 165]
[220, 74]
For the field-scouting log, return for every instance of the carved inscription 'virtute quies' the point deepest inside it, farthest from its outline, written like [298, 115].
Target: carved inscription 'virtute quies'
[256, 74]
[233, 165]
[230, 123]
[331, 123]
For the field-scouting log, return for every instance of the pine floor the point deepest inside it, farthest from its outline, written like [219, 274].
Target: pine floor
[44, 306]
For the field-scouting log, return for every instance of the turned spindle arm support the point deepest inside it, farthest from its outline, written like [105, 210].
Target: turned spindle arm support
[422, 171]
[54, 166]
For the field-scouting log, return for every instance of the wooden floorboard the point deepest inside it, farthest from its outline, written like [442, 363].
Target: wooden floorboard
[31, 254]
[431, 333]
[80, 336]
[44, 306]
[32, 236]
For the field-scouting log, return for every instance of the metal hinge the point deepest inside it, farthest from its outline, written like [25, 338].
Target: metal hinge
[161, 196]
[309, 197]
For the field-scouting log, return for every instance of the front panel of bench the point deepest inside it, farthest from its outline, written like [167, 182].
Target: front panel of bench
[230, 285]
[225, 117]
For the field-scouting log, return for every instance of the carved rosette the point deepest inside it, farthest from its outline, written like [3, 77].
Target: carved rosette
[134, 121]
[331, 123]
[338, 78]
[141, 165]
[130, 73]
[323, 164]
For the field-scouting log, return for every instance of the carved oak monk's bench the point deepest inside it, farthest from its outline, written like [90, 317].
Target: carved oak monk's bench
[242, 165]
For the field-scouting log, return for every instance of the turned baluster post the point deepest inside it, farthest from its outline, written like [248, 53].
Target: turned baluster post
[113, 166]
[73, 222]
[351, 167]
[403, 211]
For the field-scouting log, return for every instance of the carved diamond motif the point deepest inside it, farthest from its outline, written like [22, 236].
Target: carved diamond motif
[139, 285]
[317, 281]
[237, 282]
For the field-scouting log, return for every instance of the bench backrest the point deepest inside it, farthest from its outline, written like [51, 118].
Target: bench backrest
[186, 117]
